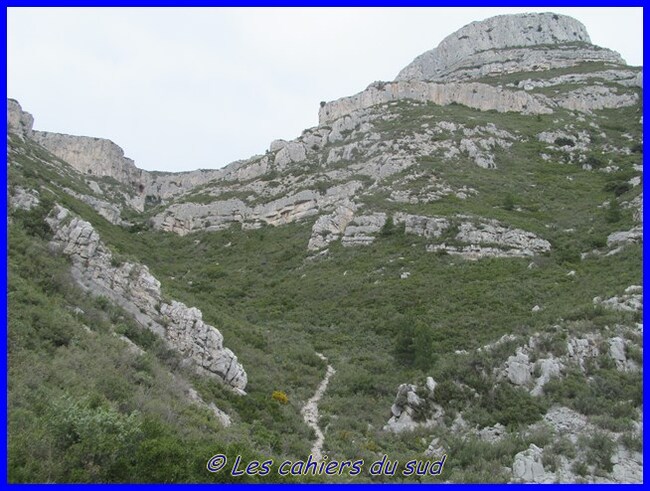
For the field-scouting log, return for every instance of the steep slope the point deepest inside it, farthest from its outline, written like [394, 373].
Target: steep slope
[467, 236]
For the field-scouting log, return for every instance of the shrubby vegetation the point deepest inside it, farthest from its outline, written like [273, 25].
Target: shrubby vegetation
[83, 408]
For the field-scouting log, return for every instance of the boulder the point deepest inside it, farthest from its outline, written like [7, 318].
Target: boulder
[518, 369]
[527, 466]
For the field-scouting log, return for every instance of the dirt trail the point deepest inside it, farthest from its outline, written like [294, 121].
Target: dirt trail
[310, 412]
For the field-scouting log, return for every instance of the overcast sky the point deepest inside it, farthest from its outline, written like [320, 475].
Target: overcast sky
[187, 88]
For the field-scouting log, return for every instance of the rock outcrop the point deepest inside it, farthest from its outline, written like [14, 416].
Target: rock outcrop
[329, 228]
[489, 238]
[507, 43]
[429, 227]
[183, 218]
[500, 45]
[492, 232]
[411, 411]
[528, 467]
[132, 287]
[479, 96]
[24, 199]
[632, 236]
[363, 229]
[630, 301]
[18, 121]
[486, 238]
[475, 95]
[93, 156]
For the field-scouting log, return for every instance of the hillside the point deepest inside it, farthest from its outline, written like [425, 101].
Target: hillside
[446, 269]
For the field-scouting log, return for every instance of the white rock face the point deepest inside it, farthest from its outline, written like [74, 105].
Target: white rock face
[617, 352]
[518, 369]
[566, 421]
[133, 288]
[290, 152]
[493, 233]
[329, 228]
[630, 301]
[492, 434]
[429, 227]
[479, 96]
[168, 185]
[184, 218]
[406, 407]
[483, 43]
[99, 157]
[18, 121]
[580, 349]
[489, 238]
[632, 236]
[24, 199]
[593, 98]
[528, 467]
[496, 46]
[627, 465]
[92, 156]
[363, 229]
[106, 209]
[626, 78]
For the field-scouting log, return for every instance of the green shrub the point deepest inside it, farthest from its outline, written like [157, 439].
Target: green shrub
[599, 450]
[550, 460]
[564, 446]
[632, 441]
[34, 220]
[509, 202]
[564, 142]
[580, 468]
[280, 396]
[613, 212]
[594, 162]
[507, 405]
[388, 228]
[617, 187]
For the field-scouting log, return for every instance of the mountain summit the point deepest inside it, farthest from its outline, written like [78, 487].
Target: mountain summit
[508, 43]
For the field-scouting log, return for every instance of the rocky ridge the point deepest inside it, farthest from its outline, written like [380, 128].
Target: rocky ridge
[348, 128]
[129, 285]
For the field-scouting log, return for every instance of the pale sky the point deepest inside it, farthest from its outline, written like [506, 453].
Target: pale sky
[188, 88]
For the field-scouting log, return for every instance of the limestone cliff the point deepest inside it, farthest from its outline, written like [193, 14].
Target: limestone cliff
[19, 121]
[496, 43]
